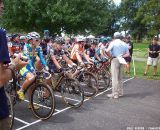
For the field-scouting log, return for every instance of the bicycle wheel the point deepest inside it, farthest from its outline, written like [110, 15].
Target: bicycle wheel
[9, 88]
[11, 110]
[89, 83]
[42, 101]
[72, 93]
[104, 79]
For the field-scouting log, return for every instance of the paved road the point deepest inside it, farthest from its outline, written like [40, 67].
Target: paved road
[140, 107]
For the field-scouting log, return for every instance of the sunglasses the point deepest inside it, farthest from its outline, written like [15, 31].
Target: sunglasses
[37, 40]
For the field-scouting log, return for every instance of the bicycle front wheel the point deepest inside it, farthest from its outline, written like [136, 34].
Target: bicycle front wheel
[42, 101]
[89, 83]
[72, 93]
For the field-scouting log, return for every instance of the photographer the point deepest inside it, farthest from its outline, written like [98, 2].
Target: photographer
[153, 51]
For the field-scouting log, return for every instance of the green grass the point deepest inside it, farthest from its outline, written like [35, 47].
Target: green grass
[140, 68]
[140, 50]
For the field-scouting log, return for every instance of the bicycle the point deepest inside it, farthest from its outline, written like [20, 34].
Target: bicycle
[38, 97]
[101, 70]
[70, 90]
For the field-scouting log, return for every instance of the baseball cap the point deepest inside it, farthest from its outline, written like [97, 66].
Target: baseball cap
[117, 35]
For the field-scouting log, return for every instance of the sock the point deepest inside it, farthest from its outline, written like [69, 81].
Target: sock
[21, 89]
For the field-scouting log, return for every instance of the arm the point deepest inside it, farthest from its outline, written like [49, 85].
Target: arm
[40, 54]
[77, 54]
[108, 51]
[97, 57]
[67, 59]
[55, 62]
[89, 60]
[126, 54]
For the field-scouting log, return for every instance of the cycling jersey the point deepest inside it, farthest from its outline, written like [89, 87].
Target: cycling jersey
[53, 52]
[32, 56]
[15, 47]
[75, 49]
[91, 52]
[32, 59]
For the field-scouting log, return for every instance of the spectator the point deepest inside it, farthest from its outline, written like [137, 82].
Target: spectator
[117, 48]
[129, 58]
[5, 75]
[153, 51]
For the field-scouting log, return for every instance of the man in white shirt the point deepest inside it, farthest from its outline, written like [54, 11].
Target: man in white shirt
[117, 50]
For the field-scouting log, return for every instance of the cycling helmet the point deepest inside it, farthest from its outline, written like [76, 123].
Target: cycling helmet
[14, 36]
[80, 39]
[94, 42]
[104, 40]
[22, 37]
[59, 40]
[109, 39]
[33, 35]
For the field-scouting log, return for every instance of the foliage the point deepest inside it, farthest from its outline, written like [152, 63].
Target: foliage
[72, 16]
[141, 17]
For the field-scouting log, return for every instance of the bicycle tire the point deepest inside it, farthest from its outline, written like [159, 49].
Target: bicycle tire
[71, 86]
[89, 89]
[9, 88]
[41, 89]
[104, 80]
[11, 110]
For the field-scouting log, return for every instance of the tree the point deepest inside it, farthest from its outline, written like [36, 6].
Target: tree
[128, 10]
[72, 16]
[150, 16]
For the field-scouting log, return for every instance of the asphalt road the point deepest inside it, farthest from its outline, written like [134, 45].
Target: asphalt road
[139, 109]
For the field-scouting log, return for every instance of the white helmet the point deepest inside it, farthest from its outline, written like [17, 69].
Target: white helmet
[22, 37]
[33, 35]
[80, 39]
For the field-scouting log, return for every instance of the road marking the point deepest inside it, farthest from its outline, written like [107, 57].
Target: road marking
[67, 108]
[22, 121]
[66, 98]
[42, 105]
[128, 79]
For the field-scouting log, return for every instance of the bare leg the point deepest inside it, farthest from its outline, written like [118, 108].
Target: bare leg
[128, 67]
[155, 70]
[147, 68]
[29, 79]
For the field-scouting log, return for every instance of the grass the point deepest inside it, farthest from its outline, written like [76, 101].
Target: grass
[140, 50]
[139, 71]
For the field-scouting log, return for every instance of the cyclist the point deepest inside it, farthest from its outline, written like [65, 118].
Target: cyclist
[91, 52]
[22, 41]
[15, 46]
[36, 61]
[101, 51]
[78, 53]
[55, 51]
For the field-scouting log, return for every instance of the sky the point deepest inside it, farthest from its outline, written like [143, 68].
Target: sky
[117, 2]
